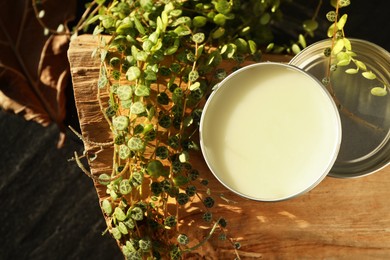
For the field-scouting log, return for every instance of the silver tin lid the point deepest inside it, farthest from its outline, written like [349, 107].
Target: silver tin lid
[365, 146]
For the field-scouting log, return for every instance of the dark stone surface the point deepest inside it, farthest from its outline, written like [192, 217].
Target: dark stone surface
[49, 208]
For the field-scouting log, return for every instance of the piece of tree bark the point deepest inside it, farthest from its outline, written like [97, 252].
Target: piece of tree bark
[339, 219]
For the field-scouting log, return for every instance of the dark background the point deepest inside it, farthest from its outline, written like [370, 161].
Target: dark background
[49, 208]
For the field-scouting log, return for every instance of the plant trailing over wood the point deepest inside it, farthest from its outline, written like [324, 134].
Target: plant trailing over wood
[159, 62]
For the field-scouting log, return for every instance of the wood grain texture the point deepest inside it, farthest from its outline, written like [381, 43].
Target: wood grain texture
[339, 219]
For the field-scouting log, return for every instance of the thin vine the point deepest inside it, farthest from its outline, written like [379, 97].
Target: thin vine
[341, 52]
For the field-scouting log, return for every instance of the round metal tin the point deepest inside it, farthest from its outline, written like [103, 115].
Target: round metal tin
[239, 143]
[365, 146]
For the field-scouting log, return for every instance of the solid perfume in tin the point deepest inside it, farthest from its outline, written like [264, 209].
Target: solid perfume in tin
[270, 132]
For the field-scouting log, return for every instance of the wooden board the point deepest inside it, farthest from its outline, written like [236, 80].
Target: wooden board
[339, 219]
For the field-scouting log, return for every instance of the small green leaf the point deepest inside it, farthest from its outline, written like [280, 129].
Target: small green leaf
[124, 152]
[119, 214]
[193, 76]
[122, 228]
[342, 63]
[342, 56]
[182, 198]
[129, 223]
[104, 179]
[180, 180]
[191, 190]
[138, 26]
[347, 44]
[360, 65]
[344, 3]
[137, 179]
[295, 48]
[150, 75]
[343, 59]
[162, 152]
[125, 187]
[183, 239]
[252, 46]
[379, 92]
[136, 144]
[222, 6]
[121, 122]
[155, 168]
[107, 207]
[331, 30]
[116, 233]
[265, 18]
[137, 108]
[310, 25]
[107, 21]
[164, 18]
[124, 92]
[208, 202]
[342, 21]
[199, 21]
[142, 91]
[331, 16]
[242, 45]
[339, 45]
[163, 98]
[182, 30]
[208, 216]
[137, 214]
[302, 40]
[198, 37]
[352, 71]
[165, 121]
[92, 19]
[184, 157]
[181, 20]
[195, 86]
[270, 47]
[145, 245]
[102, 82]
[170, 221]
[369, 75]
[219, 19]
[126, 104]
[124, 28]
[218, 33]
[133, 73]
[171, 50]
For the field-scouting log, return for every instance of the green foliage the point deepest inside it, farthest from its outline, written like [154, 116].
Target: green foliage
[159, 62]
[342, 55]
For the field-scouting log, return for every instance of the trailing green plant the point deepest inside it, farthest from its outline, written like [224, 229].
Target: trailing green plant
[159, 62]
[341, 52]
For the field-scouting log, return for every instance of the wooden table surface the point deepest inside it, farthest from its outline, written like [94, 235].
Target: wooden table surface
[338, 219]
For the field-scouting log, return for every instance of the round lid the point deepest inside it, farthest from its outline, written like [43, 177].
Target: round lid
[365, 146]
[270, 131]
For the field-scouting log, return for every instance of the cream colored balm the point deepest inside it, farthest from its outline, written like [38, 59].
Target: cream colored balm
[270, 132]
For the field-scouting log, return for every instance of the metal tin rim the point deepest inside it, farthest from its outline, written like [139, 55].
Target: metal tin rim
[221, 85]
[379, 157]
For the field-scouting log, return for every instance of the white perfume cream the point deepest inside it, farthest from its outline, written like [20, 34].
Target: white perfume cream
[270, 132]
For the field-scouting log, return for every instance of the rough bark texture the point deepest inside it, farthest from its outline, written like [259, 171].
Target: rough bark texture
[339, 219]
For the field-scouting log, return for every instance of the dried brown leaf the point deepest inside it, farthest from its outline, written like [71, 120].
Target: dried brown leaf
[33, 66]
